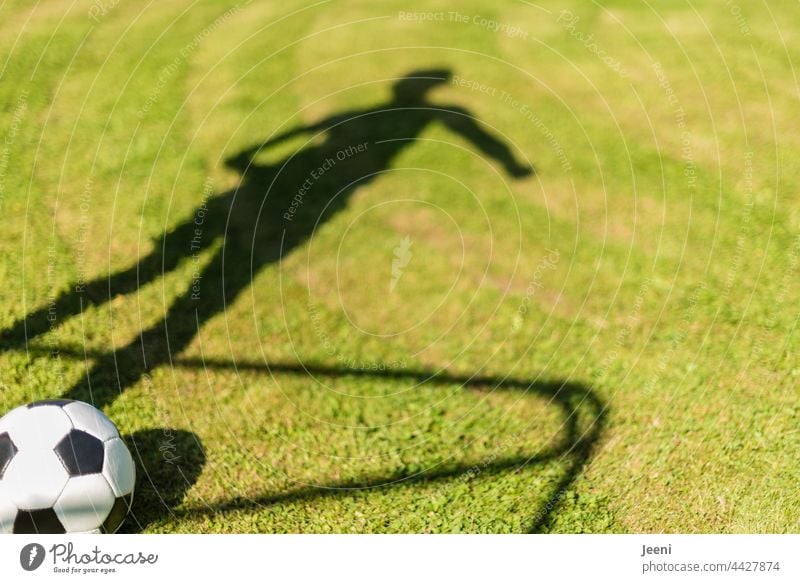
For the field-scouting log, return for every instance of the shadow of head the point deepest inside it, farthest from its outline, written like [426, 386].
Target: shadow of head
[416, 85]
[409, 91]
[168, 463]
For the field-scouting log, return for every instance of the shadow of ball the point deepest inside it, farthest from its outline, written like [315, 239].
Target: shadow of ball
[168, 463]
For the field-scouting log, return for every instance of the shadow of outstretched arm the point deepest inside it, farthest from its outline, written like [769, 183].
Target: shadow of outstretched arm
[462, 122]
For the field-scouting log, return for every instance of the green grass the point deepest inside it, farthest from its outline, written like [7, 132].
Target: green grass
[613, 338]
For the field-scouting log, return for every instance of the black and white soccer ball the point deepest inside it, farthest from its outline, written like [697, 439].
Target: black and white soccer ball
[63, 468]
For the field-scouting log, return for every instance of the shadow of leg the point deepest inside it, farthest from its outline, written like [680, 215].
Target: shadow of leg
[161, 343]
[168, 463]
[80, 298]
[166, 255]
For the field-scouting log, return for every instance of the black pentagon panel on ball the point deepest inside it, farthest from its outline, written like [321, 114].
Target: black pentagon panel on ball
[81, 453]
[7, 451]
[118, 513]
[38, 522]
[53, 402]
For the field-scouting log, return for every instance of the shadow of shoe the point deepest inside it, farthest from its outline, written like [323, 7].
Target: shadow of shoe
[168, 463]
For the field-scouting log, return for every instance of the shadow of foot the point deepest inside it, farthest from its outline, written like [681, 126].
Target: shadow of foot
[168, 463]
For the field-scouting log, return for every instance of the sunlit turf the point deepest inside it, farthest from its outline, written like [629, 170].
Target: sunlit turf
[607, 344]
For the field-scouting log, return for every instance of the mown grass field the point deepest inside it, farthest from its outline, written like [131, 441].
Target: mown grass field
[556, 291]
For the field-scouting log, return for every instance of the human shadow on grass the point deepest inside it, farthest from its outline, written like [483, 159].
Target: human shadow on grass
[275, 208]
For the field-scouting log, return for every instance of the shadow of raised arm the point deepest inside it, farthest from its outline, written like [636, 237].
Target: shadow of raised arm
[462, 122]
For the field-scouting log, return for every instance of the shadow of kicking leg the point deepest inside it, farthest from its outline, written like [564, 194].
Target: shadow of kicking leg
[158, 345]
[168, 253]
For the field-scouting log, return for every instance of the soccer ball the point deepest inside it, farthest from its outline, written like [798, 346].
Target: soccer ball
[63, 468]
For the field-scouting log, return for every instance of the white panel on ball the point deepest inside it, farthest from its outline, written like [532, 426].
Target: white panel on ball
[37, 427]
[50, 479]
[87, 418]
[85, 503]
[8, 511]
[118, 467]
